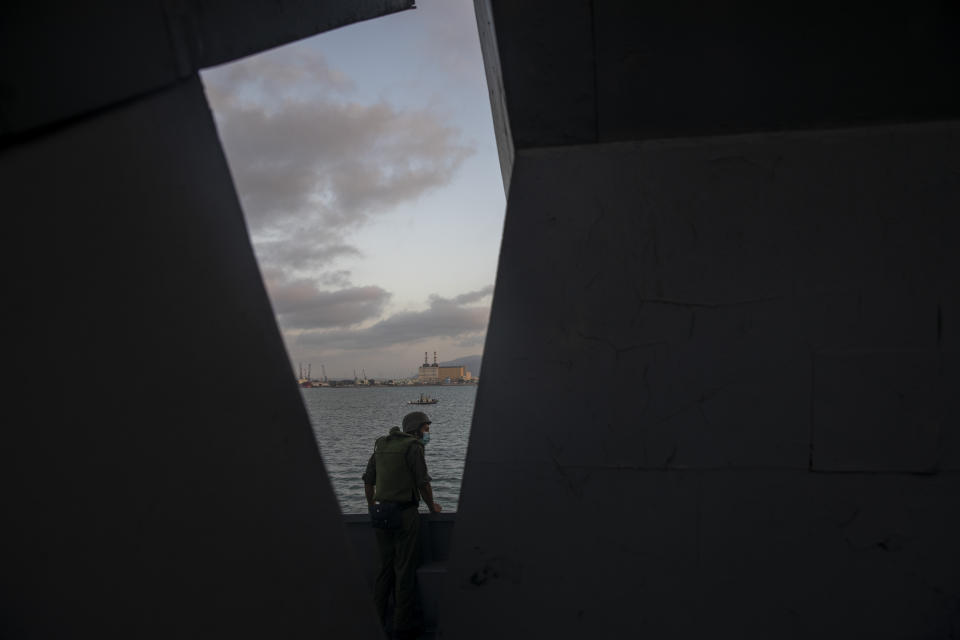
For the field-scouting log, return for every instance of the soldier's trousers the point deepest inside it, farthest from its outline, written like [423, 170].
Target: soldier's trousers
[399, 556]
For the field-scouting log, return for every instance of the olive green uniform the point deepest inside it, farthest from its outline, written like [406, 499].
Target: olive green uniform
[398, 468]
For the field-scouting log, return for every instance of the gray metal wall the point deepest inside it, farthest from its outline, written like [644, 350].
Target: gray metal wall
[146, 494]
[730, 266]
[738, 416]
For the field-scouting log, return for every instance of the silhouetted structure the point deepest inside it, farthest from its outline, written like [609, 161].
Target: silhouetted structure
[746, 216]
[198, 508]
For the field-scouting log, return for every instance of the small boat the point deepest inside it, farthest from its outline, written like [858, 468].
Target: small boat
[424, 399]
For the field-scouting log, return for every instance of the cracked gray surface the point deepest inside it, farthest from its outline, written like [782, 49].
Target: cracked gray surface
[716, 388]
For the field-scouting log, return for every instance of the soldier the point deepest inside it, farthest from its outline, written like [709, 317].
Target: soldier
[395, 480]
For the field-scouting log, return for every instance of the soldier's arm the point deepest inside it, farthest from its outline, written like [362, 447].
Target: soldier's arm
[370, 480]
[368, 489]
[427, 492]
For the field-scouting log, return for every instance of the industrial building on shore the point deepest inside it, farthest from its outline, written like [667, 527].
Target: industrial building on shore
[436, 374]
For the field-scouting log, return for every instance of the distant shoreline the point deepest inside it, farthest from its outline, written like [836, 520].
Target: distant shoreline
[472, 383]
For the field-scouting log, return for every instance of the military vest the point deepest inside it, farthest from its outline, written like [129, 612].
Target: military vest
[395, 480]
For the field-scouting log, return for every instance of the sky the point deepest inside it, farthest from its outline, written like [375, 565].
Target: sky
[367, 170]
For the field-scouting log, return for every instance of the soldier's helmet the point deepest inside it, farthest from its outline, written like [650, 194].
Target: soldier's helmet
[413, 420]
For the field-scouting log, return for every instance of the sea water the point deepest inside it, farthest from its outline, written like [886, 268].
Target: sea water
[347, 420]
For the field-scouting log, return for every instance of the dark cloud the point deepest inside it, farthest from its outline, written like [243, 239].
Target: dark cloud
[299, 304]
[472, 341]
[310, 250]
[287, 74]
[339, 278]
[446, 318]
[472, 296]
[311, 165]
[334, 163]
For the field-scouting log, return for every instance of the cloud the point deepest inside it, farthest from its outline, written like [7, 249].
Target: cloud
[472, 341]
[339, 278]
[311, 165]
[472, 296]
[307, 251]
[445, 318]
[270, 79]
[300, 304]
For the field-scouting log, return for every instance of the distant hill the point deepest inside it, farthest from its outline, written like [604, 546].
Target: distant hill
[472, 363]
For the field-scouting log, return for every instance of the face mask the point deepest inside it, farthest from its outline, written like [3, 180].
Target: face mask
[425, 438]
